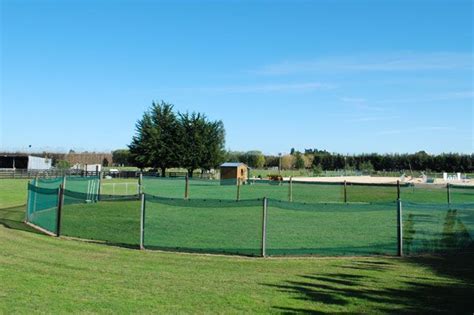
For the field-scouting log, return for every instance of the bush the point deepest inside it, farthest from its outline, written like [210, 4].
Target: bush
[63, 164]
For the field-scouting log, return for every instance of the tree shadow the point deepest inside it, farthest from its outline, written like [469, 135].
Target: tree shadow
[421, 295]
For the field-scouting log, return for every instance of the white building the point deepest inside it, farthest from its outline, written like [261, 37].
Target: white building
[25, 162]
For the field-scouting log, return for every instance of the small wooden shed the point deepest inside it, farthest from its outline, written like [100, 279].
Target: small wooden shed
[234, 171]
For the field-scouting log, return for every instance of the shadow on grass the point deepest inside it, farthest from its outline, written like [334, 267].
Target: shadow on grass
[12, 218]
[410, 294]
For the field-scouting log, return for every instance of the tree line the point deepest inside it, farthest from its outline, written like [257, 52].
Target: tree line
[168, 139]
[326, 161]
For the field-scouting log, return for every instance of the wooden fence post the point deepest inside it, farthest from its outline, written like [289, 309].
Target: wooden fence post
[238, 189]
[345, 191]
[398, 190]
[28, 198]
[142, 221]
[60, 209]
[264, 227]
[290, 190]
[400, 228]
[186, 187]
[448, 191]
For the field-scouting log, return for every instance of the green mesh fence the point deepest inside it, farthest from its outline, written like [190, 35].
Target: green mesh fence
[42, 207]
[119, 188]
[437, 228]
[114, 222]
[357, 192]
[171, 187]
[212, 221]
[51, 183]
[461, 194]
[331, 229]
[208, 226]
[89, 186]
[314, 192]
[254, 189]
[425, 193]
[211, 189]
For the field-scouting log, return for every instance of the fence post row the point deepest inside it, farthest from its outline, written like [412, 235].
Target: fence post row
[264, 227]
[142, 221]
[60, 209]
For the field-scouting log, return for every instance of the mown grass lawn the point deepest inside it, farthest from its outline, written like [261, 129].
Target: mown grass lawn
[42, 274]
[13, 192]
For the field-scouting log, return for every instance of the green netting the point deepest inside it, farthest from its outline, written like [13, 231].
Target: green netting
[208, 226]
[42, 207]
[425, 193]
[211, 189]
[172, 187]
[86, 185]
[461, 194]
[314, 192]
[119, 188]
[51, 183]
[357, 192]
[437, 228]
[114, 222]
[250, 189]
[254, 189]
[331, 229]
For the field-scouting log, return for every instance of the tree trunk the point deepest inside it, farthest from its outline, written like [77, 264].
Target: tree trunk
[163, 172]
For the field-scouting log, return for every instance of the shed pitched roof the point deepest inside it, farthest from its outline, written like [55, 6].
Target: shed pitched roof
[232, 164]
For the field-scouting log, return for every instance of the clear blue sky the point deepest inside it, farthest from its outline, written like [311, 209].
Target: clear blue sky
[346, 76]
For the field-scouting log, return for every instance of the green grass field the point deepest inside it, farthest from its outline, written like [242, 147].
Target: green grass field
[43, 274]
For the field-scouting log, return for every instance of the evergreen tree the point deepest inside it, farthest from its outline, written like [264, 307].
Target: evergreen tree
[157, 139]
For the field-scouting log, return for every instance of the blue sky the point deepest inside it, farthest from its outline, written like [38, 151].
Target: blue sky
[345, 76]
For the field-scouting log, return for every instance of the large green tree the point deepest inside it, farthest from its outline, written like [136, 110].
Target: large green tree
[202, 142]
[157, 139]
[121, 157]
[164, 139]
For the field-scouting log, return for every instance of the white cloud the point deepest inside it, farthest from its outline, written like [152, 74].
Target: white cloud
[447, 96]
[388, 62]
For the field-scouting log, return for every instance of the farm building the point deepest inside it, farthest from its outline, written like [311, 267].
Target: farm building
[24, 162]
[234, 171]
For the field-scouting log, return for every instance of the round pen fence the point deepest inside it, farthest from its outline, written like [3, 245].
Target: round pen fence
[260, 218]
